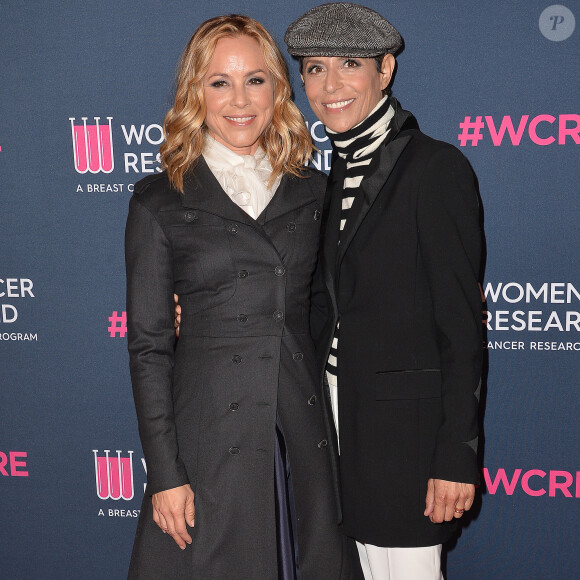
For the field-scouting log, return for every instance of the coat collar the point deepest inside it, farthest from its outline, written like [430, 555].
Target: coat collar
[201, 190]
[369, 190]
[387, 157]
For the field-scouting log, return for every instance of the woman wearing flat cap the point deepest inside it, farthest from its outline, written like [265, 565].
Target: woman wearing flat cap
[397, 317]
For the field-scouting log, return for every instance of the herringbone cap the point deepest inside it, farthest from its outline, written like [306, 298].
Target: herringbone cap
[342, 29]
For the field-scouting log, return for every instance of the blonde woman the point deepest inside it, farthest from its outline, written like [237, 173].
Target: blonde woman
[230, 417]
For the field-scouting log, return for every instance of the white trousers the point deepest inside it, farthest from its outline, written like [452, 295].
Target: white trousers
[400, 563]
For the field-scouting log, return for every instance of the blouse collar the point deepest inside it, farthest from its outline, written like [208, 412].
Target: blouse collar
[243, 177]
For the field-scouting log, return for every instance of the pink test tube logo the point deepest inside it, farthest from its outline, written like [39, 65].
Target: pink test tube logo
[92, 146]
[114, 475]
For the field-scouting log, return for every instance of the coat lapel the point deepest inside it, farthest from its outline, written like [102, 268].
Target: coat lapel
[369, 190]
[331, 225]
[333, 251]
[201, 190]
[292, 194]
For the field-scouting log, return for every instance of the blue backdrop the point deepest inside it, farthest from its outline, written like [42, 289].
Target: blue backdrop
[499, 80]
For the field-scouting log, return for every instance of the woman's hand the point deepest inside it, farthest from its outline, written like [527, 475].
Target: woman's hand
[446, 500]
[177, 315]
[172, 508]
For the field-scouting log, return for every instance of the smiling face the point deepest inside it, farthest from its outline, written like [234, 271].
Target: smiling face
[342, 91]
[238, 91]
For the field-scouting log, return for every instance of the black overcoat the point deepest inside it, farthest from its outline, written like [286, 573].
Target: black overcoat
[207, 407]
[404, 282]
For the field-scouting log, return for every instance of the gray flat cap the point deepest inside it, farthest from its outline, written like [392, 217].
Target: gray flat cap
[342, 29]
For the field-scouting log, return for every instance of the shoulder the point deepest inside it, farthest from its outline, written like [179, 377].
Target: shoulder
[155, 192]
[432, 152]
[312, 180]
[315, 174]
[156, 183]
[444, 177]
[421, 148]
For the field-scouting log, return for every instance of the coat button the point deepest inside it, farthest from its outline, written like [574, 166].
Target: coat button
[278, 316]
[297, 356]
[237, 359]
[323, 444]
[291, 227]
[279, 271]
[234, 450]
[312, 400]
[232, 228]
[242, 318]
[243, 274]
[190, 215]
[234, 406]
[317, 214]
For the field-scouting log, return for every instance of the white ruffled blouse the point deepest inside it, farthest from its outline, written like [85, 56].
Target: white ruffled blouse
[243, 177]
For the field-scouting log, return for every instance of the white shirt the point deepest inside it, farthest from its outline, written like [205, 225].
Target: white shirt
[243, 177]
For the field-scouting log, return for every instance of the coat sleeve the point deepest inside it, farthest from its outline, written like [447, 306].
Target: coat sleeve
[450, 240]
[151, 342]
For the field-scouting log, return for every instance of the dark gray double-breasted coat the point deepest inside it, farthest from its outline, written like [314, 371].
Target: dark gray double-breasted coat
[207, 406]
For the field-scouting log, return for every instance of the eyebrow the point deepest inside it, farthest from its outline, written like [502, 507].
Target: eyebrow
[318, 60]
[251, 73]
[312, 60]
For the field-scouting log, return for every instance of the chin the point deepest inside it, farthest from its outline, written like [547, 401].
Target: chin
[340, 127]
[338, 124]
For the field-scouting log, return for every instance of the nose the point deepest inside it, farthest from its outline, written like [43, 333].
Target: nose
[240, 96]
[332, 80]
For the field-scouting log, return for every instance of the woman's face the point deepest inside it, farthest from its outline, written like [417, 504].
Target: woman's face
[342, 91]
[239, 94]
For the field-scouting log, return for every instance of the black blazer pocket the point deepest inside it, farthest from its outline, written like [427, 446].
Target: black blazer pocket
[409, 384]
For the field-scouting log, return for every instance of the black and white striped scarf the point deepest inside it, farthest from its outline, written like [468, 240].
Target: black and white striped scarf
[356, 147]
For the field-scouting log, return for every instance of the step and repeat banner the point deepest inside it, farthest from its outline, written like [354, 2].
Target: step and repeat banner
[85, 87]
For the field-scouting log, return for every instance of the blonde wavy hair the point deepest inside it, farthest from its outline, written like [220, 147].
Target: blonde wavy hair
[286, 140]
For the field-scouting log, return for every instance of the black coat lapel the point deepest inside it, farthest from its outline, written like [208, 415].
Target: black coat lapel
[331, 223]
[369, 190]
[370, 187]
